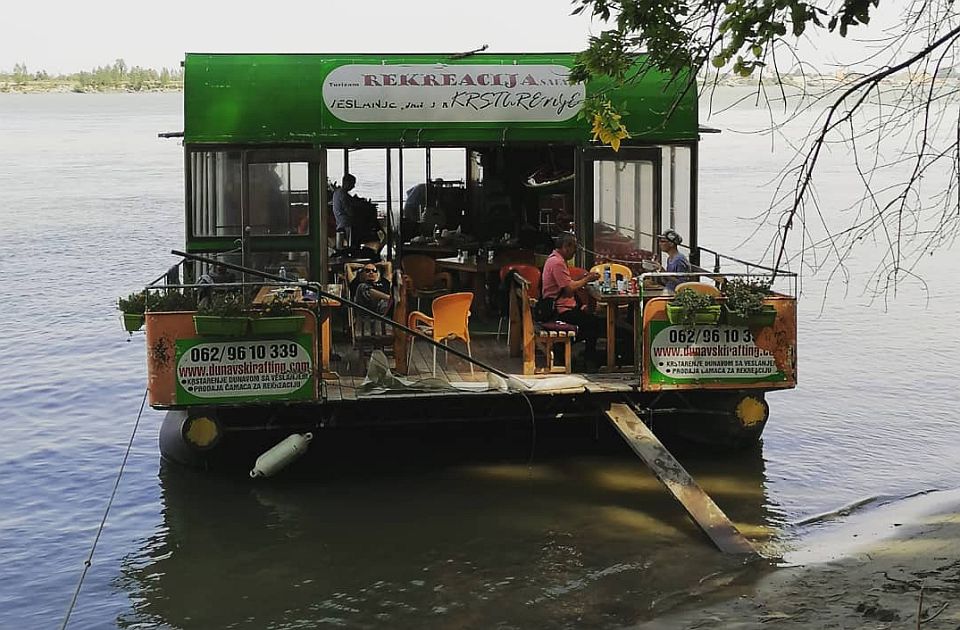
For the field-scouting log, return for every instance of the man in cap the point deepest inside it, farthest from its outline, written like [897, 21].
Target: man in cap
[676, 261]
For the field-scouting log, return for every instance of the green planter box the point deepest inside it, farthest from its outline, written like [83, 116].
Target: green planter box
[764, 318]
[277, 325]
[213, 326]
[132, 322]
[708, 315]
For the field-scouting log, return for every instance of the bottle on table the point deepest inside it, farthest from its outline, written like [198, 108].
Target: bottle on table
[607, 278]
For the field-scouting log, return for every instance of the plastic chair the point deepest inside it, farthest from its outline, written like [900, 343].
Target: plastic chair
[699, 287]
[616, 269]
[578, 272]
[529, 273]
[425, 280]
[451, 320]
[364, 329]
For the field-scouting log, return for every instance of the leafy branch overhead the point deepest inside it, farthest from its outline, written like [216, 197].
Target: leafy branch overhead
[606, 120]
[683, 34]
[895, 112]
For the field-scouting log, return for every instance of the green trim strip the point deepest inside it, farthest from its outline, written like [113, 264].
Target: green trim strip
[340, 100]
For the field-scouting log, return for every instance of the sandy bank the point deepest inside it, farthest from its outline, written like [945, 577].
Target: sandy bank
[865, 573]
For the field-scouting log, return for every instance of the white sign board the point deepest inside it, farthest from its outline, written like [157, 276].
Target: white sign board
[696, 352]
[235, 369]
[461, 93]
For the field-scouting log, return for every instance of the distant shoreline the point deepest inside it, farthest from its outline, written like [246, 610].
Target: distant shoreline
[63, 85]
[38, 87]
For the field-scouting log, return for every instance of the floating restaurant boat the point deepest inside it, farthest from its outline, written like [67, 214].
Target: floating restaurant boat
[263, 137]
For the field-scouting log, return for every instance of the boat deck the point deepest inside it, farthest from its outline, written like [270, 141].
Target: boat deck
[348, 380]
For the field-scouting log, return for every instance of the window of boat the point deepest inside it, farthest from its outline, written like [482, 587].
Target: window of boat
[623, 201]
[215, 193]
[278, 198]
[676, 167]
[427, 186]
[637, 194]
[293, 265]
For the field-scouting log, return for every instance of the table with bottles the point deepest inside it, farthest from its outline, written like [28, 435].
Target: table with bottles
[613, 298]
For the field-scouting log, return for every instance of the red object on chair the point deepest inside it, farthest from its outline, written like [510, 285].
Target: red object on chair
[528, 272]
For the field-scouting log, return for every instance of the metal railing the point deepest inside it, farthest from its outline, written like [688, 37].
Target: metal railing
[345, 301]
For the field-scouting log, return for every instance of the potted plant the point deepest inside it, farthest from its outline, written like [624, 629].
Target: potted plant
[221, 315]
[691, 307]
[744, 302]
[171, 300]
[277, 318]
[133, 307]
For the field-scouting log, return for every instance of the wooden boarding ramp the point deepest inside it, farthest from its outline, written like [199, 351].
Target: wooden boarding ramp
[678, 481]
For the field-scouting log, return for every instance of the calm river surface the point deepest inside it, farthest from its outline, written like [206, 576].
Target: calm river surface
[90, 206]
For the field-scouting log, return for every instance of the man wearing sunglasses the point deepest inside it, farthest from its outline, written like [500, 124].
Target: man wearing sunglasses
[372, 291]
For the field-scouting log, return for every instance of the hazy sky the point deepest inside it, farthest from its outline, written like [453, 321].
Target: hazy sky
[62, 36]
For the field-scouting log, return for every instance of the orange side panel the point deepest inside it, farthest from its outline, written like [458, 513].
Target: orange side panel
[776, 343]
[162, 332]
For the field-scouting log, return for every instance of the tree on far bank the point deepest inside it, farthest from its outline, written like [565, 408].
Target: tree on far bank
[906, 94]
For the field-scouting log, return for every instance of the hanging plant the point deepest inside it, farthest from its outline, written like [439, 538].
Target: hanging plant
[222, 314]
[744, 302]
[690, 307]
[276, 317]
[133, 308]
[171, 300]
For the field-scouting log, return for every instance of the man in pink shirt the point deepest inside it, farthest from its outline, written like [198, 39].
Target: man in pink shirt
[557, 284]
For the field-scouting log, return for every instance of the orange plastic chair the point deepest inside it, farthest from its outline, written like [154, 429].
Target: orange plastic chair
[529, 273]
[578, 272]
[451, 320]
[425, 280]
[616, 269]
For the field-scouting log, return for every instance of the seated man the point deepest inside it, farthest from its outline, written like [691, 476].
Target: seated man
[371, 291]
[676, 261]
[557, 285]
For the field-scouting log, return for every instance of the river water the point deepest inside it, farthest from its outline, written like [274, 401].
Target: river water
[410, 534]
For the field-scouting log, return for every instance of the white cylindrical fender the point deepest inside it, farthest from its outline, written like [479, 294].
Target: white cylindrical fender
[281, 454]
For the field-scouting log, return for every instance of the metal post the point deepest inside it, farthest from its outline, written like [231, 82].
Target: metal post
[389, 210]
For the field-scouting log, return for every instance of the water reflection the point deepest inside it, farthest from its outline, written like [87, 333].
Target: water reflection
[395, 533]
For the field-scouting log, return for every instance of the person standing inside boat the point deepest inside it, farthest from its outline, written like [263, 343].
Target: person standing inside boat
[557, 285]
[343, 207]
[676, 261]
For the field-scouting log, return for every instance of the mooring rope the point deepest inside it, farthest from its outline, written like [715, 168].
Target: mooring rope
[103, 521]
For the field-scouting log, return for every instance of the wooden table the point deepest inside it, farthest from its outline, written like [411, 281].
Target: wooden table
[322, 307]
[613, 302]
[478, 269]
